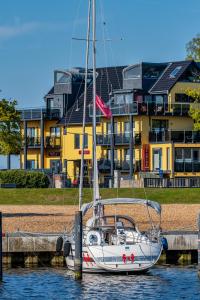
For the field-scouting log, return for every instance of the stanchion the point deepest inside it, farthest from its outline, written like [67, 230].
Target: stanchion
[199, 245]
[78, 246]
[1, 254]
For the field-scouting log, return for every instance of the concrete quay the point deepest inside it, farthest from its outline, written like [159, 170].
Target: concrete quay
[39, 249]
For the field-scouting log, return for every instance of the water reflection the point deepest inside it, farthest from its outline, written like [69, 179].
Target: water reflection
[160, 283]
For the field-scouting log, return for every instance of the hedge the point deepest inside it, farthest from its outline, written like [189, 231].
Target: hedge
[24, 179]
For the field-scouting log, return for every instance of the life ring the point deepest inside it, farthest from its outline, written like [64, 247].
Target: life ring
[93, 238]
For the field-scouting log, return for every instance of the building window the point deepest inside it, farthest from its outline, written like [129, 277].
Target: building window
[62, 78]
[115, 155]
[86, 140]
[127, 129]
[31, 132]
[183, 98]
[168, 158]
[133, 73]
[159, 99]
[115, 127]
[159, 125]
[128, 98]
[157, 159]
[147, 98]
[30, 164]
[108, 154]
[55, 131]
[76, 141]
[127, 155]
[187, 160]
[175, 72]
[108, 128]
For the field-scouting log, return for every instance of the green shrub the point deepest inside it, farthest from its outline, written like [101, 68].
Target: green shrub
[24, 179]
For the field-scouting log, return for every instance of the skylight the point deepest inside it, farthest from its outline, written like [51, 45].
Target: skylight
[175, 72]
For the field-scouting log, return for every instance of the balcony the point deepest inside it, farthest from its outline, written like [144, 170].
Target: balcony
[103, 140]
[39, 113]
[52, 142]
[174, 136]
[119, 139]
[104, 165]
[151, 108]
[32, 142]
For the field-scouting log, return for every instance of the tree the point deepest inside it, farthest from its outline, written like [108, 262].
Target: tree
[193, 48]
[10, 137]
[194, 111]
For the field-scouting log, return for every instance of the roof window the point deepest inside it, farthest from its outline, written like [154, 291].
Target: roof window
[175, 72]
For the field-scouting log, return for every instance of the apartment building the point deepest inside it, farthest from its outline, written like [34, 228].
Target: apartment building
[150, 133]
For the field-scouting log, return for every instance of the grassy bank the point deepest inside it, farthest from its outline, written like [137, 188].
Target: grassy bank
[70, 196]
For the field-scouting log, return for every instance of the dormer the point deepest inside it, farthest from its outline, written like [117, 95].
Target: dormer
[62, 82]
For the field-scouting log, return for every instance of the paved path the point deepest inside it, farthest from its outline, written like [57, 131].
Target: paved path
[51, 218]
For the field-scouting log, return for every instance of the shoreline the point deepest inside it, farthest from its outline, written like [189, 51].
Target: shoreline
[60, 218]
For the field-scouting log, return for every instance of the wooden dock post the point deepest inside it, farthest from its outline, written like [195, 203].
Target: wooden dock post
[1, 250]
[78, 245]
[199, 245]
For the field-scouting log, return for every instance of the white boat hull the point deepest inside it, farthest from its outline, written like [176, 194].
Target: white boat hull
[112, 258]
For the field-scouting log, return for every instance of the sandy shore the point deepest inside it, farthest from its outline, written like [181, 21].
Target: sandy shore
[43, 218]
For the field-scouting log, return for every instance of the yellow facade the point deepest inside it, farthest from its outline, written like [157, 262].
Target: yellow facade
[160, 150]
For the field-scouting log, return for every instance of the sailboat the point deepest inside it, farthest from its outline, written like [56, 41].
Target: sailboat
[111, 243]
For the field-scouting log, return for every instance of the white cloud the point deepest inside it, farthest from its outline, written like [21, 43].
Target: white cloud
[17, 29]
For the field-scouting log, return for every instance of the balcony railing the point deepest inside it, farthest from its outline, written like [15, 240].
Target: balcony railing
[52, 142]
[135, 108]
[174, 136]
[119, 139]
[39, 113]
[32, 142]
[187, 166]
[104, 165]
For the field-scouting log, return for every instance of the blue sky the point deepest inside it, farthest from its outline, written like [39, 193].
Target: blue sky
[36, 38]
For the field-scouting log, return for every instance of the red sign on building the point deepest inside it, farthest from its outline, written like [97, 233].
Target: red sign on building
[85, 151]
[145, 157]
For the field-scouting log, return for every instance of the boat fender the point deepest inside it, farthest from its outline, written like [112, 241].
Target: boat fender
[164, 243]
[66, 248]
[59, 244]
[93, 238]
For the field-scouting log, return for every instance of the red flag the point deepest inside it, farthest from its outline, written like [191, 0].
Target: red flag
[103, 107]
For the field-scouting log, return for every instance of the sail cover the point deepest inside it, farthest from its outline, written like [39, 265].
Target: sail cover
[153, 204]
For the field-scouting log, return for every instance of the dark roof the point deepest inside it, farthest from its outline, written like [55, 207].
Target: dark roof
[50, 92]
[108, 79]
[166, 80]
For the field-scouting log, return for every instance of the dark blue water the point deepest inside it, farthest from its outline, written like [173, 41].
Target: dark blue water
[160, 283]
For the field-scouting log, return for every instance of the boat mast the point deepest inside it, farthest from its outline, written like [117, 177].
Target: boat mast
[95, 177]
[84, 108]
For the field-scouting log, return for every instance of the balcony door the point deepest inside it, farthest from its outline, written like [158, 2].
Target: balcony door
[55, 165]
[159, 125]
[127, 129]
[157, 159]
